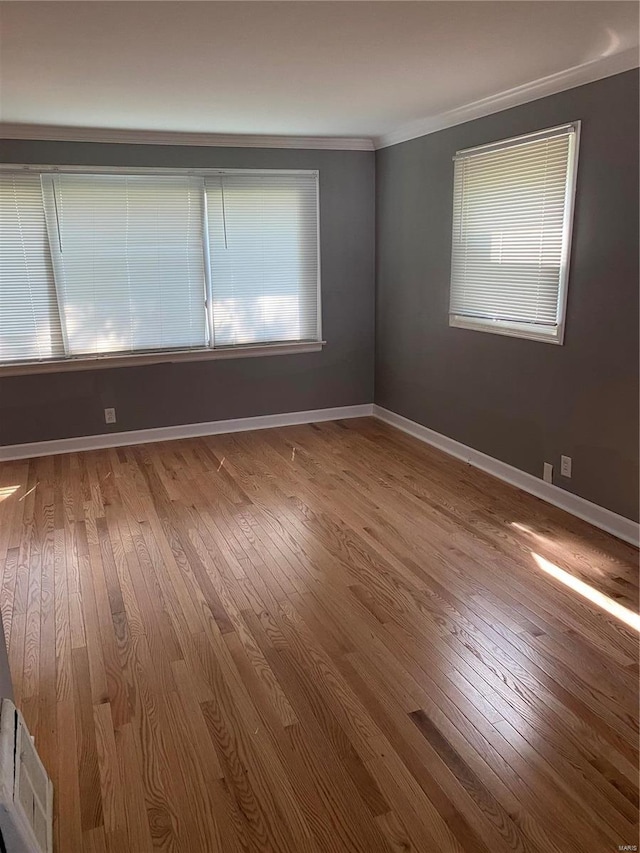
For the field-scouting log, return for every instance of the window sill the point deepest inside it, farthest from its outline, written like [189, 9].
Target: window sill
[545, 334]
[139, 359]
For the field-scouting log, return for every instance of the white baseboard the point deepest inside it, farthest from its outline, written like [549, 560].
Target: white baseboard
[600, 517]
[144, 436]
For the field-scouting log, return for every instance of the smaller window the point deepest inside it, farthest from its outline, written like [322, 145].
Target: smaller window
[512, 220]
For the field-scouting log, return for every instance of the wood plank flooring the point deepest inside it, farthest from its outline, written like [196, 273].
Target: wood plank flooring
[313, 639]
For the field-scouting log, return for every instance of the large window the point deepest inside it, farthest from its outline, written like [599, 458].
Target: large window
[107, 263]
[512, 219]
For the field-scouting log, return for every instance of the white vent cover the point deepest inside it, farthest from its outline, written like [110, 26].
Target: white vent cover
[26, 792]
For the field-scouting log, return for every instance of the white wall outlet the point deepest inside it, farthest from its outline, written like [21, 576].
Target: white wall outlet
[565, 466]
[110, 416]
[547, 472]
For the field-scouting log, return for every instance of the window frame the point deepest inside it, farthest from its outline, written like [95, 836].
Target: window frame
[512, 328]
[157, 356]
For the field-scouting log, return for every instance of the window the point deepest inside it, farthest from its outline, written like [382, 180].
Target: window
[106, 263]
[512, 219]
[30, 326]
[128, 261]
[264, 258]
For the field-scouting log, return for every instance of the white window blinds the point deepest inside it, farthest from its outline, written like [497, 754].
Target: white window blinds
[29, 325]
[125, 261]
[263, 247]
[512, 211]
[128, 257]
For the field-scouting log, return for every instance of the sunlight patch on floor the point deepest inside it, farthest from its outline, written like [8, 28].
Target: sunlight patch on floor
[7, 491]
[524, 528]
[598, 598]
[560, 545]
[26, 494]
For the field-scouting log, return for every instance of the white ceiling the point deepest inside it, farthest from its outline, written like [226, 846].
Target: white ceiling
[362, 69]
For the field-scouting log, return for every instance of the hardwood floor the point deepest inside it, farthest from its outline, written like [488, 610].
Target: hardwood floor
[317, 638]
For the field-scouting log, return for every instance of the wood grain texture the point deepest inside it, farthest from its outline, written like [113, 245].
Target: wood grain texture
[316, 639]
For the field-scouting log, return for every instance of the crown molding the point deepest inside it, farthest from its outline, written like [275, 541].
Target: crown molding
[578, 75]
[156, 137]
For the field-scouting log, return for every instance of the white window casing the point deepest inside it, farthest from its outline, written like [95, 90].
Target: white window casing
[512, 222]
[104, 266]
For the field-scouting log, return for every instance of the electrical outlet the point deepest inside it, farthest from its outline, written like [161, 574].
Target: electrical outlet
[110, 416]
[565, 466]
[547, 472]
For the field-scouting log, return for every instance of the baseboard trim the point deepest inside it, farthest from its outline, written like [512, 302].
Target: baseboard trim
[144, 436]
[605, 519]
[600, 517]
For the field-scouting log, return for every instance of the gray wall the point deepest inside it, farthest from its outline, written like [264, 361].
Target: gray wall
[41, 407]
[523, 402]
